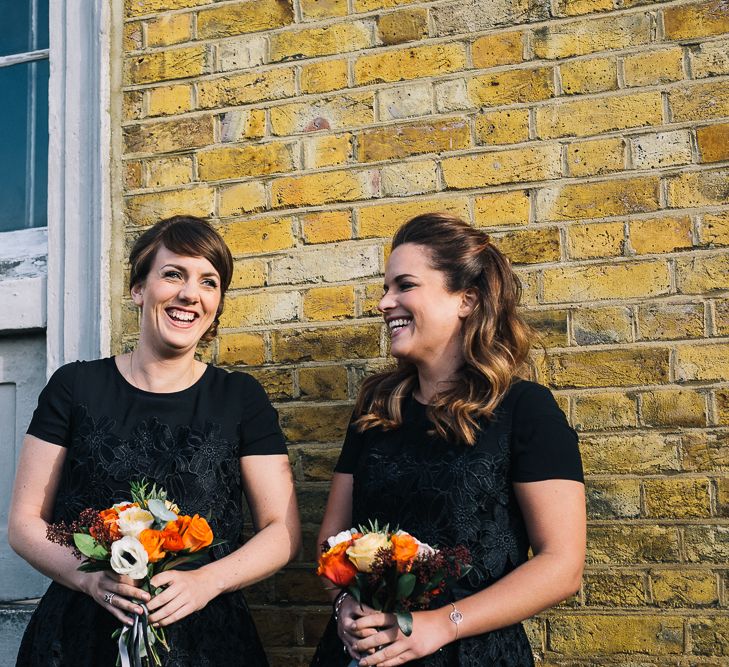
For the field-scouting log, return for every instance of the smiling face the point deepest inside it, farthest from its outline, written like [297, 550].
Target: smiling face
[423, 317]
[179, 299]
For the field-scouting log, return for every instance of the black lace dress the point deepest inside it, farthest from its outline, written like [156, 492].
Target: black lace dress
[190, 442]
[447, 495]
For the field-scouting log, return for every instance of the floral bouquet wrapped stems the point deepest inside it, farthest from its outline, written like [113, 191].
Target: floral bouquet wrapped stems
[391, 571]
[138, 539]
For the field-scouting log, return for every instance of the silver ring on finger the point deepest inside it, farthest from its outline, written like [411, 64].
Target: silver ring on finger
[109, 598]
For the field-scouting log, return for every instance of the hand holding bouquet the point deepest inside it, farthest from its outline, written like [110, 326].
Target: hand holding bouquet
[391, 571]
[137, 539]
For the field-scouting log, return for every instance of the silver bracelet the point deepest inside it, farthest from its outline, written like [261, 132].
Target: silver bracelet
[456, 617]
[337, 604]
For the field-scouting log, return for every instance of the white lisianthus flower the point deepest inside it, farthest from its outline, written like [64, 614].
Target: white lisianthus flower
[129, 557]
[344, 536]
[424, 549]
[134, 520]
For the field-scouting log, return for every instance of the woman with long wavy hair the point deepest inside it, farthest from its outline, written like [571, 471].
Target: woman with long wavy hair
[457, 448]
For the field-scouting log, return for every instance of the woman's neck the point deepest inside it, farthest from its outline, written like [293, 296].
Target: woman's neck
[152, 372]
[435, 377]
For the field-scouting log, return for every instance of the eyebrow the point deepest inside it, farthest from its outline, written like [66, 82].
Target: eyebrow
[170, 265]
[402, 276]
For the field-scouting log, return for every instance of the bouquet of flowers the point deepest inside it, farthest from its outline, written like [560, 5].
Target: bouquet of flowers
[391, 571]
[138, 539]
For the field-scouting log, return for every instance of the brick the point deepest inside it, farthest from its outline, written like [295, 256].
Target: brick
[168, 29]
[165, 65]
[602, 325]
[709, 636]
[470, 16]
[328, 264]
[241, 53]
[502, 127]
[243, 310]
[169, 100]
[714, 229]
[327, 226]
[277, 383]
[627, 544]
[333, 113]
[328, 151]
[655, 235]
[648, 69]
[706, 544]
[701, 274]
[383, 220]
[550, 326]
[329, 303]
[412, 63]
[608, 368]
[579, 7]
[326, 344]
[534, 163]
[649, 635]
[166, 136]
[700, 101]
[323, 188]
[132, 37]
[147, 209]
[141, 7]
[713, 142]
[605, 410]
[663, 149]
[595, 116]
[311, 42]
[132, 175]
[721, 317]
[323, 383]
[451, 95]
[705, 452]
[405, 101]
[615, 589]
[722, 493]
[369, 5]
[668, 321]
[511, 86]
[502, 208]
[324, 76]
[241, 348]
[710, 59]
[258, 236]
[168, 171]
[248, 273]
[597, 200]
[407, 25]
[244, 17]
[599, 239]
[529, 286]
[247, 160]
[504, 48]
[703, 362]
[133, 105]
[409, 178]
[590, 158]
[242, 198]
[314, 462]
[589, 76]
[700, 19]
[578, 38]
[240, 124]
[530, 246]
[322, 9]
[613, 499]
[235, 89]
[398, 141]
[684, 588]
[673, 408]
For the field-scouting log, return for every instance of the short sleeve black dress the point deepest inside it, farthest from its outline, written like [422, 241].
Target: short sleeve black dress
[190, 442]
[447, 495]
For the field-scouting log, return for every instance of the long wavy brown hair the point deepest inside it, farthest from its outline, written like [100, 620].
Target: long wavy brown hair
[496, 340]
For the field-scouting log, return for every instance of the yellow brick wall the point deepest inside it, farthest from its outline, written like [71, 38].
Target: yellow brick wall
[590, 137]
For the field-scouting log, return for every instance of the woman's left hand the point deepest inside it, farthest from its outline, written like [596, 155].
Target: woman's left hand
[430, 632]
[185, 592]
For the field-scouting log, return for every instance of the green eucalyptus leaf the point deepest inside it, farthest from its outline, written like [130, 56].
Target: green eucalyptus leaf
[89, 547]
[405, 585]
[405, 622]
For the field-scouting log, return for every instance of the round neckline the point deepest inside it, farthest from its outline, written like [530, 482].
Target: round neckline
[129, 385]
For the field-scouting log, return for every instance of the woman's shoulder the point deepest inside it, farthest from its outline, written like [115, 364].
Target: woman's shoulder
[69, 373]
[237, 382]
[528, 396]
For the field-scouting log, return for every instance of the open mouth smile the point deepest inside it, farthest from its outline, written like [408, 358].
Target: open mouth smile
[181, 318]
[396, 325]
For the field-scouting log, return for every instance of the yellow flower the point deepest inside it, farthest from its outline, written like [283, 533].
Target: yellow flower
[362, 552]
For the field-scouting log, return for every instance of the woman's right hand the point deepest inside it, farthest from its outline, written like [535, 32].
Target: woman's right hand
[349, 611]
[100, 585]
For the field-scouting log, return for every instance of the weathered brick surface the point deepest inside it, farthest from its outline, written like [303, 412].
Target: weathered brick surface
[588, 137]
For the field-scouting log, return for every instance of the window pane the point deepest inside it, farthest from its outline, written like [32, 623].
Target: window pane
[24, 148]
[20, 35]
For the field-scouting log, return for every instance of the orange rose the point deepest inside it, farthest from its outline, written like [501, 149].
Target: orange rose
[109, 517]
[153, 543]
[172, 539]
[197, 534]
[336, 566]
[404, 551]
[179, 526]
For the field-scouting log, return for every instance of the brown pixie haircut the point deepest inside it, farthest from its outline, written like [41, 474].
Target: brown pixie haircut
[189, 236]
[496, 340]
